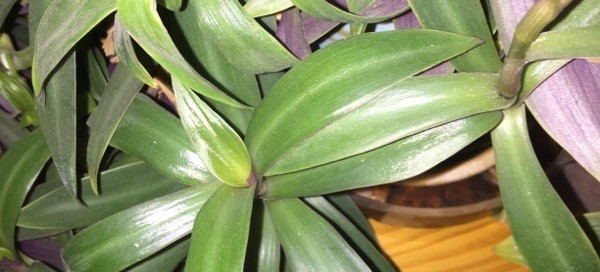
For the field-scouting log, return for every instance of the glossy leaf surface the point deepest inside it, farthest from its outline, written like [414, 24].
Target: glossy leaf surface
[19, 168]
[221, 230]
[206, 58]
[257, 8]
[241, 39]
[324, 10]
[352, 234]
[309, 241]
[394, 162]
[63, 32]
[126, 52]
[465, 17]
[403, 109]
[559, 44]
[145, 125]
[543, 227]
[143, 23]
[58, 115]
[119, 93]
[167, 259]
[217, 144]
[122, 187]
[373, 63]
[136, 233]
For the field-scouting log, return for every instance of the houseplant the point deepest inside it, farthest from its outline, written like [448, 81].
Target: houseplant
[254, 156]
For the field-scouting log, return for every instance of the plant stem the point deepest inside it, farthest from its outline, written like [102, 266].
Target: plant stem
[535, 20]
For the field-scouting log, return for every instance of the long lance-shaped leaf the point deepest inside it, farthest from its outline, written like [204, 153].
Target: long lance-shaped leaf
[372, 63]
[143, 23]
[132, 235]
[5, 7]
[258, 8]
[122, 187]
[156, 136]
[543, 227]
[559, 44]
[19, 168]
[118, 95]
[63, 32]
[343, 203]
[167, 259]
[462, 17]
[217, 144]
[206, 57]
[239, 37]
[353, 235]
[406, 108]
[290, 31]
[324, 10]
[397, 161]
[264, 251]
[221, 230]
[174, 5]
[125, 51]
[97, 72]
[58, 115]
[310, 243]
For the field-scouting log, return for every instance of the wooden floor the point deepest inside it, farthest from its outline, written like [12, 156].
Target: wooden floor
[461, 248]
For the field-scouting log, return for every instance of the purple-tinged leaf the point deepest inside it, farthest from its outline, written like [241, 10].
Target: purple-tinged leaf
[384, 7]
[291, 33]
[315, 28]
[566, 105]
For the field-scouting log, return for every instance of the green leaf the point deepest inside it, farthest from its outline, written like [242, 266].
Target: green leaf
[132, 235]
[264, 251]
[156, 136]
[322, 9]
[10, 132]
[396, 161]
[466, 17]
[403, 109]
[97, 72]
[206, 57]
[543, 227]
[174, 5]
[343, 203]
[58, 116]
[119, 93]
[143, 23]
[221, 230]
[76, 19]
[217, 144]
[303, 243]
[372, 62]
[559, 44]
[125, 51]
[258, 8]
[239, 37]
[122, 187]
[5, 7]
[167, 259]
[19, 97]
[508, 250]
[352, 234]
[24, 234]
[40, 267]
[19, 168]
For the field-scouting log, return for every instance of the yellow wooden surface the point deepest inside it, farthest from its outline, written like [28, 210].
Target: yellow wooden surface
[465, 247]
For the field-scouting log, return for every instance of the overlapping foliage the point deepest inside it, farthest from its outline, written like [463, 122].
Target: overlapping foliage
[266, 127]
